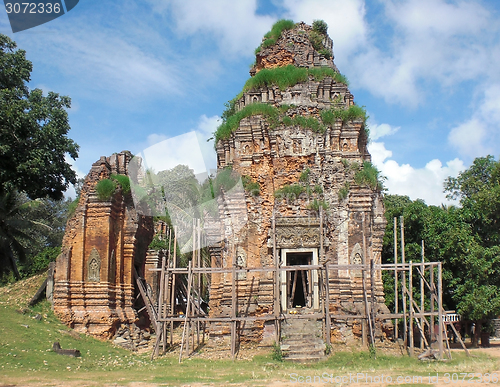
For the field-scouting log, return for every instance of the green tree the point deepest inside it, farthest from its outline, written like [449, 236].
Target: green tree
[33, 131]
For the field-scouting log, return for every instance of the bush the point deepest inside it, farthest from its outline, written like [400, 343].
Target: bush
[275, 33]
[250, 186]
[304, 176]
[232, 122]
[40, 262]
[369, 176]
[353, 113]
[316, 40]
[290, 191]
[317, 204]
[344, 191]
[124, 182]
[105, 188]
[320, 27]
[289, 76]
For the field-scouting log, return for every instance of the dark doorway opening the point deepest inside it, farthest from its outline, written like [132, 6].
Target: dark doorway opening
[299, 282]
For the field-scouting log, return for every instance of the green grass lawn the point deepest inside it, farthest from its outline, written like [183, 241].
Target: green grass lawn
[26, 357]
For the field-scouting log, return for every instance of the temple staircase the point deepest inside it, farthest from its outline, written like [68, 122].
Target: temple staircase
[302, 340]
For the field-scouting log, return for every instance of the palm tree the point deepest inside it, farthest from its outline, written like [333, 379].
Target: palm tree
[14, 229]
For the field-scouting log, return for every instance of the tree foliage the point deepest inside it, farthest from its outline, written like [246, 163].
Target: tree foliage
[466, 239]
[33, 131]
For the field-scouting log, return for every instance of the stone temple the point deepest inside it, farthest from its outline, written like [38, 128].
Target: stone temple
[311, 198]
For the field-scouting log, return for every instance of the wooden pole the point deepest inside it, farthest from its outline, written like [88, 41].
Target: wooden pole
[422, 300]
[367, 310]
[276, 283]
[410, 284]
[440, 310]
[433, 300]
[403, 284]
[186, 319]
[233, 310]
[172, 302]
[328, 320]
[159, 328]
[198, 251]
[396, 295]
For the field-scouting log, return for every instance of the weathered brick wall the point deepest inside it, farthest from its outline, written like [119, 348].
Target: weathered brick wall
[104, 240]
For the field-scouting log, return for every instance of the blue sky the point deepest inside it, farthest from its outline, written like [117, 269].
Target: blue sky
[139, 72]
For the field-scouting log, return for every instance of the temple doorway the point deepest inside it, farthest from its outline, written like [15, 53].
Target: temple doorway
[299, 288]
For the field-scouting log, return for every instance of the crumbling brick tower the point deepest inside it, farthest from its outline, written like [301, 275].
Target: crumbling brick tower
[300, 143]
[105, 239]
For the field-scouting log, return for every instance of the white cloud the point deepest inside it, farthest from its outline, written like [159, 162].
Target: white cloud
[478, 136]
[382, 130]
[417, 183]
[235, 24]
[204, 131]
[345, 19]
[432, 40]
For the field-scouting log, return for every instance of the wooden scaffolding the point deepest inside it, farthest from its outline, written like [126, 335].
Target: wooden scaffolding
[181, 289]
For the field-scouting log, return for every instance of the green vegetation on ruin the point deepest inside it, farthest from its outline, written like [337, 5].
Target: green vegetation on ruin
[105, 188]
[275, 33]
[289, 76]
[369, 176]
[250, 186]
[344, 191]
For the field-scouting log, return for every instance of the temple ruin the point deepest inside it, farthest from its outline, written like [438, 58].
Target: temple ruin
[314, 219]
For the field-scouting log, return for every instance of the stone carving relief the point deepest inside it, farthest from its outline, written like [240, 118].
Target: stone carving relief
[356, 259]
[297, 232]
[94, 269]
[241, 261]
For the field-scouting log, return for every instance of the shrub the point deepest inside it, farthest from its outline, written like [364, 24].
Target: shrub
[316, 40]
[304, 176]
[250, 186]
[105, 189]
[40, 262]
[317, 204]
[72, 207]
[369, 176]
[344, 191]
[353, 113]
[275, 33]
[233, 121]
[317, 189]
[320, 27]
[326, 53]
[290, 191]
[289, 76]
[124, 182]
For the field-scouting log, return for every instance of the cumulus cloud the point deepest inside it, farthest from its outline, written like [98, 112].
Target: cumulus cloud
[433, 40]
[234, 24]
[382, 130]
[418, 183]
[478, 136]
[345, 20]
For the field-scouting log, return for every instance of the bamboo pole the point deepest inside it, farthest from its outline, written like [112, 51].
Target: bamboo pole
[403, 284]
[186, 319]
[159, 327]
[396, 295]
[367, 312]
[410, 285]
[166, 296]
[422, 298]
[440, 310]
[198, 253]
[328, 320]
[233, 310]
[276, 283]
[433, 300]
[172, 302]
